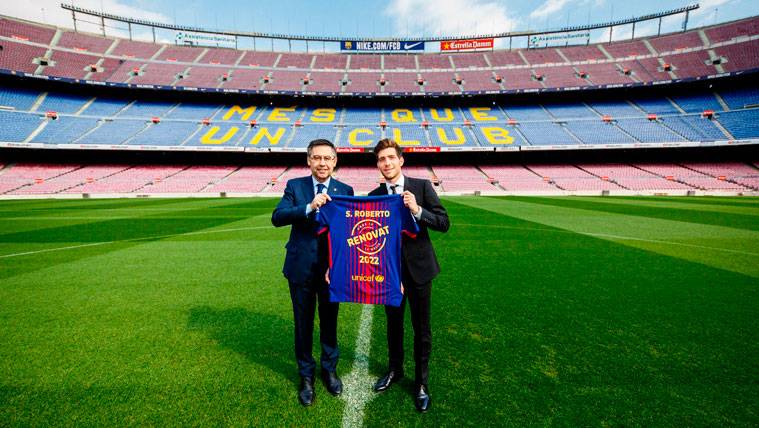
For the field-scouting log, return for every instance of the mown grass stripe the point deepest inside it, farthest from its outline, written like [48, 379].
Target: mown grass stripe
[145, 238]
[749, 221]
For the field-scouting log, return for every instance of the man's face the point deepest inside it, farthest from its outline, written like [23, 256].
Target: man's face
[389, 164]
[322, 162]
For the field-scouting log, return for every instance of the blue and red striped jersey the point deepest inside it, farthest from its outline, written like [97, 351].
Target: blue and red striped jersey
[364, 235]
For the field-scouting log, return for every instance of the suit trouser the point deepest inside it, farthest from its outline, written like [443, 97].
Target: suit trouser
[419, 297]
[304, 299]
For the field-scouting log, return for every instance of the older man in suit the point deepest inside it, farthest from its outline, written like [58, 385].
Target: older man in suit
[419, 265]
[305, 266]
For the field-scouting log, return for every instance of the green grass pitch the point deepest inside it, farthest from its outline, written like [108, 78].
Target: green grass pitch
[549, 311]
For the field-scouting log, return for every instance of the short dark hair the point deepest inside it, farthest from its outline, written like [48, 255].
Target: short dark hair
[387, 143]
[321, 142]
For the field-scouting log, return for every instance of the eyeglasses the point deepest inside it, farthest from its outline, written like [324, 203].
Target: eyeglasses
[317, 158]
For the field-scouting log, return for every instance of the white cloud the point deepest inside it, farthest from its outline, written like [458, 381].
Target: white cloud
[549, 7]
[50, 12]
[707, 12]
[449, 17]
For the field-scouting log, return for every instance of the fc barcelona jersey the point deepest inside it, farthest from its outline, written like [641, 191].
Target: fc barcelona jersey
[364, 235]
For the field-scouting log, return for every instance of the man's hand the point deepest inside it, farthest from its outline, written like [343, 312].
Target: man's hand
[409, 200]
[326, 277]
[319, 200]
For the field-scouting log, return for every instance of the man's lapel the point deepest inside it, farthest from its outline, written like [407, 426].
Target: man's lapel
[333, 189]
[408, 184]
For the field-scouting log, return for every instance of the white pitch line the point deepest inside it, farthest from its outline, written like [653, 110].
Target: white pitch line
[26, 253]
[145, 238]
[358, 383]
[606, 235]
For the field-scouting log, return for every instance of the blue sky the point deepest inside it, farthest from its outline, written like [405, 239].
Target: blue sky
[395, 18]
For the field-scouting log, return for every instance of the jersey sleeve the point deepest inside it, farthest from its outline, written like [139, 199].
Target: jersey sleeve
[408, 222]
[322, 218]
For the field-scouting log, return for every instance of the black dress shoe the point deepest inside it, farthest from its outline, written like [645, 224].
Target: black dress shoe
[332, 382]
[422, 400]
[388, 379]
[306, 393]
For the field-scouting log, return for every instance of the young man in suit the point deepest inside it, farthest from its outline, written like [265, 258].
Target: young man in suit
[305, 266]
[420, 266]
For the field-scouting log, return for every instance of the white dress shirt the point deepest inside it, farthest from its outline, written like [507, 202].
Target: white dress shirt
[399, 190]
[314, 182]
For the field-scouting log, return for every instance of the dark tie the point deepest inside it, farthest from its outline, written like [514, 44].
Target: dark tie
[392, 189]
[320, 188]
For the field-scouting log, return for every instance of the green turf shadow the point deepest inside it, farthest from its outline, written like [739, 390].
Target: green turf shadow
[264, 339]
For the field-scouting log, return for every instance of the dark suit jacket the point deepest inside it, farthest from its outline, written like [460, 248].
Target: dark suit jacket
[418, 255]
[302, 259]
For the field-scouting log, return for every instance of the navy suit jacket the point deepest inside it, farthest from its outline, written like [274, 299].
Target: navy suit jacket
[302, 259]
[418, 255]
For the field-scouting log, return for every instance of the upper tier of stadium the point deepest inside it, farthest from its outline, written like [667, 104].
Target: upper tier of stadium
[41, 50]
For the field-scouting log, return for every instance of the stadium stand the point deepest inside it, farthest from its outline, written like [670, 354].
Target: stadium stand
[259, 59]
[180, 54]
[84, 42]
[479, 80]
[542, 56]
[675, 42]
[461, 178]
[247, 179]
[68, 64]
[35, 179]
[469, 60]
[365, 62]
[27, 175]
[688, 177]
[135, 49]
[26, 31]
[405, 62]
[632, 177]
[331, 62]
[741, 124]
[679, 118]
[569, 177]
[667, 115]
[582, 53]
[734, 30]
[278, 186]
[363, 82]
[204, 77]
[21, 57]
[517, 178]
[363, 179]
[221, 56]
[738, 98]
[247, 79]
[65, 130]
[325, 81]
[62, 103]
[440, 82]
[434, 61]
[78, 55]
